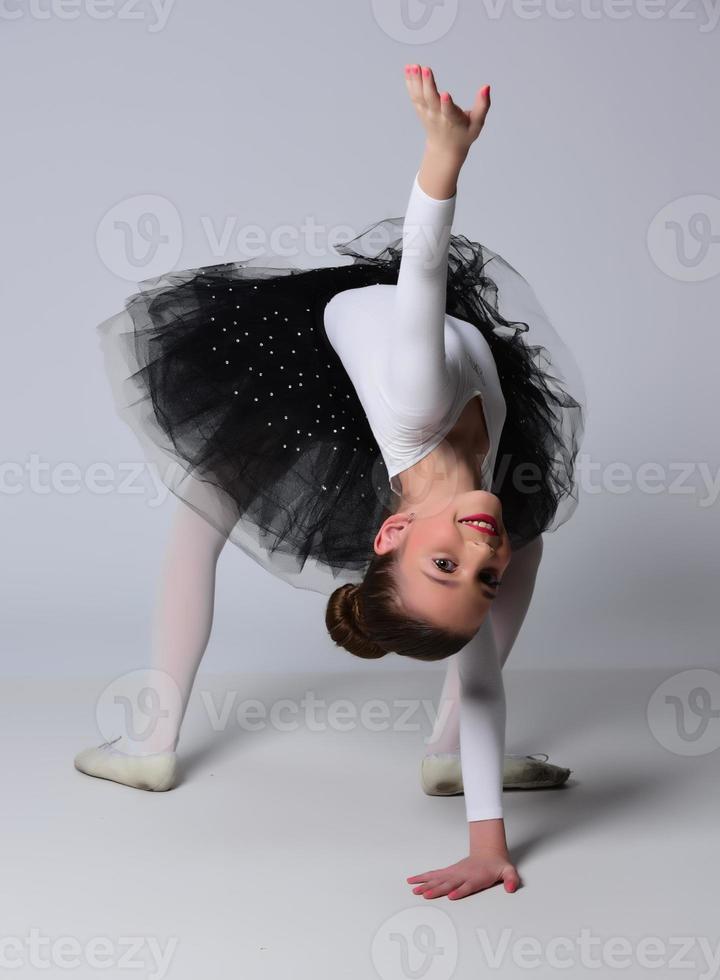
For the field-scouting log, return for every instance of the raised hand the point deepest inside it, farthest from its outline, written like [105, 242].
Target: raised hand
[449, 128]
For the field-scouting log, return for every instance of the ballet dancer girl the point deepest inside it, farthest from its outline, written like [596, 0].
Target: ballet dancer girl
[389, 432]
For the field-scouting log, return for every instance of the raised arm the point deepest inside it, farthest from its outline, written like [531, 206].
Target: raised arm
[417, 370]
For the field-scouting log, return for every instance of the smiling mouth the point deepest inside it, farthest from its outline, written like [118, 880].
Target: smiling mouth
[484, 523]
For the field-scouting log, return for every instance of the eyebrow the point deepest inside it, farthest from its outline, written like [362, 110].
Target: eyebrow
[452, 585]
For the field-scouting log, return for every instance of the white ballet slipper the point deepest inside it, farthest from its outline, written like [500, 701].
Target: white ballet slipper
[531, 772]
[156, 772]
[441, 773]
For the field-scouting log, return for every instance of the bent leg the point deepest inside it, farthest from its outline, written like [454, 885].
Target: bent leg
[445, 735]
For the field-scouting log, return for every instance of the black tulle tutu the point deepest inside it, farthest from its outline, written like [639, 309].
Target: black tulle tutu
[226, 376]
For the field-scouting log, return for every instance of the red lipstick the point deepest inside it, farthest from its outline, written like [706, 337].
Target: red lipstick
[482, 517]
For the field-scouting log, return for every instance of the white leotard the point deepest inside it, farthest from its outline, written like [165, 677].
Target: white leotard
[414, 369]
[413, 366]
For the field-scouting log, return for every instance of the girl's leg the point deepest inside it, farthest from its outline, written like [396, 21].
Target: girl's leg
[507, 616]
[182, 620]
[181, 630]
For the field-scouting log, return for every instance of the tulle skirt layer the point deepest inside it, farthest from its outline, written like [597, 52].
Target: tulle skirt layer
[225, 375]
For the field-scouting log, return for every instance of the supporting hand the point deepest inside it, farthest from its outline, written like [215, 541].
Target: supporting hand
[472, 874]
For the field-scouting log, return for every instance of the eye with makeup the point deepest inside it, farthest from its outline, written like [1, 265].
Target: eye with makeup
[486, 577]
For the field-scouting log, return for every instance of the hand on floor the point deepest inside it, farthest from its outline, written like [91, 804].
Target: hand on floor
[472, 874]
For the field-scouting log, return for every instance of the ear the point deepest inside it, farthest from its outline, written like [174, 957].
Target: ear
[389, 536]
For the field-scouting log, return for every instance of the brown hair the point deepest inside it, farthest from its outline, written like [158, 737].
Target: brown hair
[367, 620]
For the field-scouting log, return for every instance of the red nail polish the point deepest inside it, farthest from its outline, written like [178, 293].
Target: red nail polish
[426, 72]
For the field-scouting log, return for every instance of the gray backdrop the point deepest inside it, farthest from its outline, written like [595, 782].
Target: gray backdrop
[139, 138]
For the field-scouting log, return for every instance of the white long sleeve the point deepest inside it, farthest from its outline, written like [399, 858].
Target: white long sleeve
[418, 382]
[413, 366]
[482, 725]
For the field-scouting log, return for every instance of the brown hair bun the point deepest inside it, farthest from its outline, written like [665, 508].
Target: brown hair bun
[343, 618]
[369, 621]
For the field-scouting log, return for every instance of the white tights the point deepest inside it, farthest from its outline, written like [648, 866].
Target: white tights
[183, 616]
[184, 613]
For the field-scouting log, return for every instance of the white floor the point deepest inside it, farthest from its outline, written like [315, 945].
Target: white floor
[283, 853]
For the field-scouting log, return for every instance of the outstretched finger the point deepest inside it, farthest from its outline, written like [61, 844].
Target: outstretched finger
[448, 107]
[432, 96]
[439, 889]
[425, 887]
[462, 891]
[480, 108]
[414, 82]
[422, 877]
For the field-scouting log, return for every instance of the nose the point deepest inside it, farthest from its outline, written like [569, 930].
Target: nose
[484, 541]
[484, 547]
[487, 550]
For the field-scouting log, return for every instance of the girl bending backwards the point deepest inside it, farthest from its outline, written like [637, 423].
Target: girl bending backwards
[388, 432]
